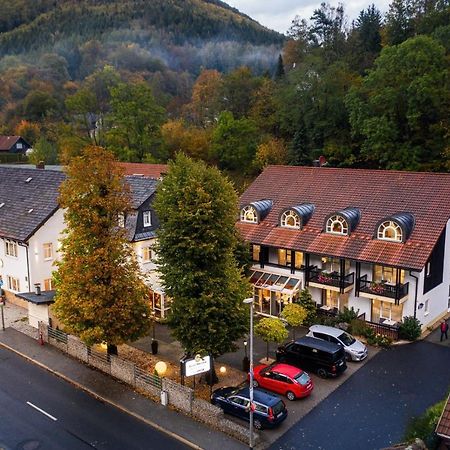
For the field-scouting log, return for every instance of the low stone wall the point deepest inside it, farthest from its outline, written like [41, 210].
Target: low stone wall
[76, 348]
[57, 343]
[99, 362]
[180, 397]
[123, 370]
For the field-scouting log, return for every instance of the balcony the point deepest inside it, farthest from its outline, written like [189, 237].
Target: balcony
[334, 280]
[382, 290]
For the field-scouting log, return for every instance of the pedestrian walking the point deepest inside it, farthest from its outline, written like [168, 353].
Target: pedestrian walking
[444, 329]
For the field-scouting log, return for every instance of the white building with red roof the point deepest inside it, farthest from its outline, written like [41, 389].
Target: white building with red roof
[374, 240]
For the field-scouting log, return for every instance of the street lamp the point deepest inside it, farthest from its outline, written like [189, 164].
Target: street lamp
[250, 301]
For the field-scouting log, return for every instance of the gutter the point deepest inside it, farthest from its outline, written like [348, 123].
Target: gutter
[415, 293]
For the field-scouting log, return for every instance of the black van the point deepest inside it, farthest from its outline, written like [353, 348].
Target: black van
[325, 358]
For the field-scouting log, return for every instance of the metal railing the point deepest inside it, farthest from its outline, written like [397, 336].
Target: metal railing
[380, 289]
[58, 335]
[142, 376]
[331, 278]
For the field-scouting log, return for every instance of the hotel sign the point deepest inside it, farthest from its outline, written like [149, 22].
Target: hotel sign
[195, 366]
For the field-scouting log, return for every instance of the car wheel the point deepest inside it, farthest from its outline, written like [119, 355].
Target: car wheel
[255, 383]
[257, 424]
[348, 357]
[322, 373]
[290, 396]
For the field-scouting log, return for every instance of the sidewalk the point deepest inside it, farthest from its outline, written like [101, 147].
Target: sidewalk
[107, 389]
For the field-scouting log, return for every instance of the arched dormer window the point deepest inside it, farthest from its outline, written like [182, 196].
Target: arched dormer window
[337, 225]
[390, 231]
[290, 219]
[248, 214]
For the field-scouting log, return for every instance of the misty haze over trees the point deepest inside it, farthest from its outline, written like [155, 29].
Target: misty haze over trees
[147, 80]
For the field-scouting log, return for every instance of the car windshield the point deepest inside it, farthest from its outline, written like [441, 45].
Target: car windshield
[278, 408]
[302, 378]
[347, 339]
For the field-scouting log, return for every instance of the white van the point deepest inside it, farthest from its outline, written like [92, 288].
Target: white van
[354, 349]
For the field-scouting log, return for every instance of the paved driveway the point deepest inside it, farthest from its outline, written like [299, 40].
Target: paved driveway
[372, 408]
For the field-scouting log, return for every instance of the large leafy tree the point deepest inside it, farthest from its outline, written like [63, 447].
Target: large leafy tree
[400, 110]
[100, 294]
[135, 122]
[197, 209]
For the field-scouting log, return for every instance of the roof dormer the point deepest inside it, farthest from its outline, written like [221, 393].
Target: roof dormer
[395, 228]
[343, 222]
[296, 216]
[254, 212]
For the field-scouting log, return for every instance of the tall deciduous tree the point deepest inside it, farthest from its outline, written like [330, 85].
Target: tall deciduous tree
[100, 294]
[197, 209]
[135, 119]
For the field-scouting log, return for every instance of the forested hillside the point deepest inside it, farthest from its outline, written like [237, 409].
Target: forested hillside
[199, 77]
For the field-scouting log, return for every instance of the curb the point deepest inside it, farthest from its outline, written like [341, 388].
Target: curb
[103, 399]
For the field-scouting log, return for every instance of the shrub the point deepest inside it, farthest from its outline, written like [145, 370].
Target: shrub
[358, 327]
[423, 427]
[410, 329]
[305, 299]
[348, 315]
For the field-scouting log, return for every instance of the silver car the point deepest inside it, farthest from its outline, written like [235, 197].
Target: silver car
[354, 350]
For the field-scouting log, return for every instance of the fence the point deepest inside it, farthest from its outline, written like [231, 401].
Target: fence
[179, 397]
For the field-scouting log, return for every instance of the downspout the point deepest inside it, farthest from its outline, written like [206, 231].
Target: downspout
[28, 265]
[415, 293]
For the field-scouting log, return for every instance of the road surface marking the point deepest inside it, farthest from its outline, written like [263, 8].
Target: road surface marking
[42, 411]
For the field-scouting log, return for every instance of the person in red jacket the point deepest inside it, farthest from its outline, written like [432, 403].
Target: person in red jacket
[444, 329]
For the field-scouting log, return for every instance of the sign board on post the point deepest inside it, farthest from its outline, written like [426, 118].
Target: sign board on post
[195, 366]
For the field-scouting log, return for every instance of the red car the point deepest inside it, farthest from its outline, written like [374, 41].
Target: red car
[283, 379]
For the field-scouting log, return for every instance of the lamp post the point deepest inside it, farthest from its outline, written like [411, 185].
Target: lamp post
[250, 301]
[154, 343]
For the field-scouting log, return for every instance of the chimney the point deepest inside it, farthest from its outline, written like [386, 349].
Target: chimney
[40, 165]
[37, 288]
[320, 162]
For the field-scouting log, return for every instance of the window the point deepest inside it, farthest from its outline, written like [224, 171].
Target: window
[48, 250]
[147, 218]
[248, 214]
[19, 145]
[427, 307]
[13, 283]
[48, 284]
[121, 220]
[290, 219]
[390, 231]
[387, 274]
[11, 248]
[285, 258]
[256, 251]
[337, 225]
[147, 254]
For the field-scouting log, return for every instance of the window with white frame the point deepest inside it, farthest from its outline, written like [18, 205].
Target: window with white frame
[48, 284]
[11, 248]
[337, 225]
[427, 307]
[13, 283]
[121, 220]
[48, 250]
[290, 219]
[147, 215]
[248, 214]
[147, 254]
[390, 231]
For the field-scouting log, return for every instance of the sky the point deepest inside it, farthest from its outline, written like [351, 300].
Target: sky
[278, 14]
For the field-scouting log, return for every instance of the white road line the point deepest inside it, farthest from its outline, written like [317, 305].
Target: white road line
[42, 411]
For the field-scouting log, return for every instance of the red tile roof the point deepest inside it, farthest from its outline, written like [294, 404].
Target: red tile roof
[443, 426]
[377, 193]
[6, 142]
[147, 170]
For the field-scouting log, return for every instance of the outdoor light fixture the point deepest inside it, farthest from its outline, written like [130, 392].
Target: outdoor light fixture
[223, 370]
[161, 368]
[250, 301]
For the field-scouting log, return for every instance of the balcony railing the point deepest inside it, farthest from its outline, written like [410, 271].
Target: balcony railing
[331, 278]
[382, 289]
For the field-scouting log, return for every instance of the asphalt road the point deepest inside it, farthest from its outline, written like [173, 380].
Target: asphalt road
[40, 411]
[372, 408]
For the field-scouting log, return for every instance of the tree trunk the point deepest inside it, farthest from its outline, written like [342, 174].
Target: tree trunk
[293, 329]
[111, 349]
[267, 348]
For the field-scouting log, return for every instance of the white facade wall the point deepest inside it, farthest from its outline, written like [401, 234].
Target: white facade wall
[138, 247]
[51, 232]
[14, 266]
[37, 313]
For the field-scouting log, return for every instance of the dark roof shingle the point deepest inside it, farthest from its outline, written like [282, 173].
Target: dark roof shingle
[378, 194]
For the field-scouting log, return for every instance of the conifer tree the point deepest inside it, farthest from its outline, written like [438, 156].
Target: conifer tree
[100, 295]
